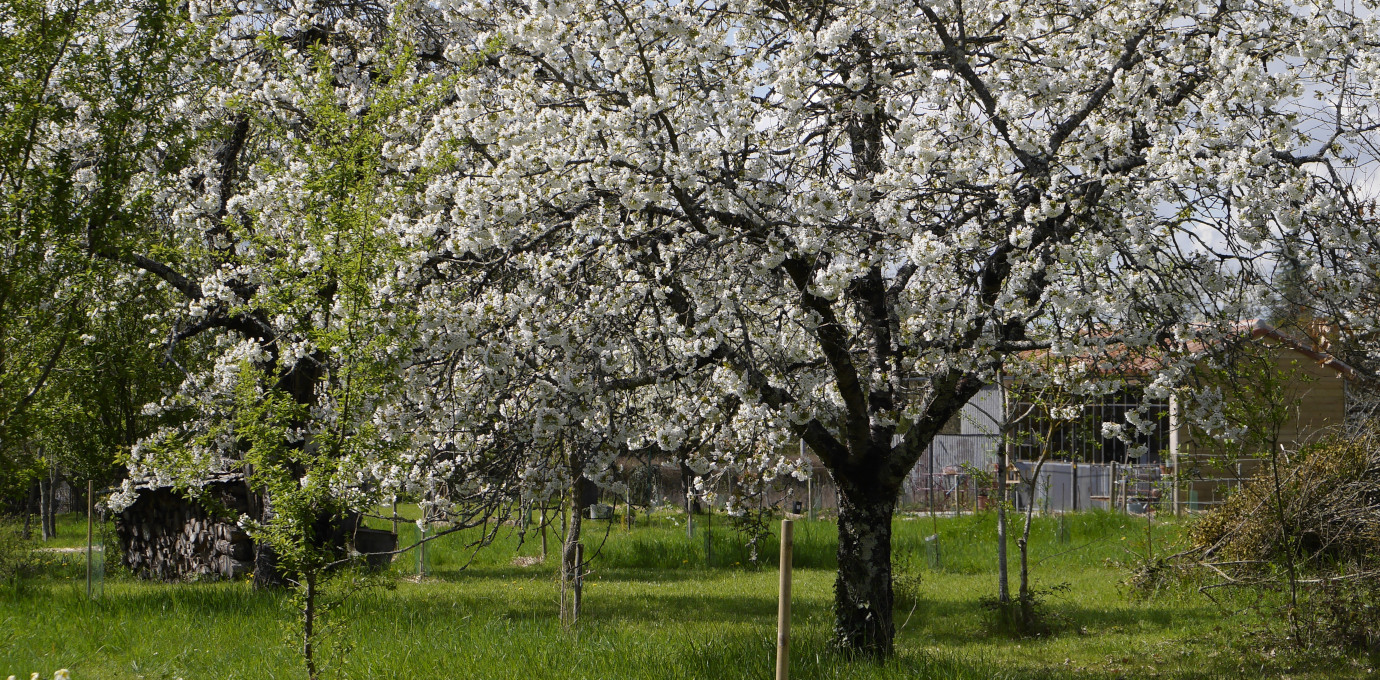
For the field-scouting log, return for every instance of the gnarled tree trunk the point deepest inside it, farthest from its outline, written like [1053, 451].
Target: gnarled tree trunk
[862, 588]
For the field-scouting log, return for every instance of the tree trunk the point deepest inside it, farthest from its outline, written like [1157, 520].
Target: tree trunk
[570, 557]
[1024, 541]
[52, 506]
[1286, 537]
[862, 589]
[29, 511]
[1026, 598]
[1003, 584]
[45, 508]
[309, 625]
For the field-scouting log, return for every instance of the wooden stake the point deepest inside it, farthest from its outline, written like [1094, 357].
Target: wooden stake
[783, 608]
[90, 505]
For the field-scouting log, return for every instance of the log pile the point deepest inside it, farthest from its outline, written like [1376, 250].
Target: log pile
[166, 537]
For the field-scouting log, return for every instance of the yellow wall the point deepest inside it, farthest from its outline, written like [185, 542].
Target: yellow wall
[1318, 397]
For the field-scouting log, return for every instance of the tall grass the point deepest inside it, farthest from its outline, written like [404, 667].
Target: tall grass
[656, 606]
[967, 543]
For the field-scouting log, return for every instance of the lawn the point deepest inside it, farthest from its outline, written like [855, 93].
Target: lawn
[654, 609]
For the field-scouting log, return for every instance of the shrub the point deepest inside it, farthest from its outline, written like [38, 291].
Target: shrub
[16, 557]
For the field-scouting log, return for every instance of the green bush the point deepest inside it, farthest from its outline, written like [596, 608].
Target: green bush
[16, 557]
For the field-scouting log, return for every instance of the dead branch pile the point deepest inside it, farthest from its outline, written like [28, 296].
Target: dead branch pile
[1330, 496]
[1324, 554]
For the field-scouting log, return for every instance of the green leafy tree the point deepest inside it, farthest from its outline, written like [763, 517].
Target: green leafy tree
[84, 91]
[306, 350]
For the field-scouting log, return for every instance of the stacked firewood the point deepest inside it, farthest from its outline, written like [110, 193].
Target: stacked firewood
[165, 537]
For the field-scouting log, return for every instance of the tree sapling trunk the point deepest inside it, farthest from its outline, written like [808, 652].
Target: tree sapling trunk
[1027, 598]
[1003, 584]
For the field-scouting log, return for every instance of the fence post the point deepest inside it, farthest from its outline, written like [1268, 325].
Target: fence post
[783, 607]
[421, 550]
[90, 505]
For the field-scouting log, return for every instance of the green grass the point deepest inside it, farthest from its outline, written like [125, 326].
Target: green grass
[654, 610]
[71, 531]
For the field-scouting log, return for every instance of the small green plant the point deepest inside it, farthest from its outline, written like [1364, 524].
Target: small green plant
[906, 584]
[983, 482]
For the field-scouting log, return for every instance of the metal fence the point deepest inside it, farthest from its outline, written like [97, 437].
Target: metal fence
[1060, 486]
[1065, 486]
[955, 474]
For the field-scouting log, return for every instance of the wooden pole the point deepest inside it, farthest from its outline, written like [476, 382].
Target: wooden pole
[90, 505]
[783, 608]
